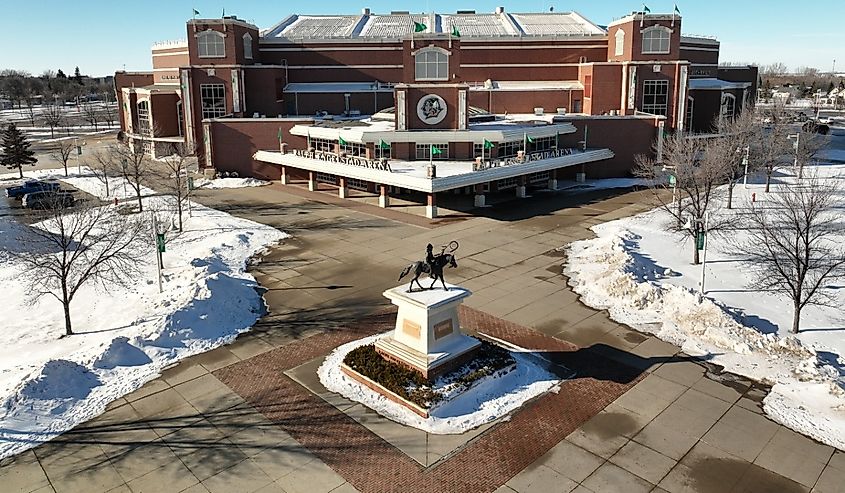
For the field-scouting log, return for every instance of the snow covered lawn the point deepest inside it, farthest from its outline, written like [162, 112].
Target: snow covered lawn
[490, 398]
[229, 183]
[644, 276]
[125, 336]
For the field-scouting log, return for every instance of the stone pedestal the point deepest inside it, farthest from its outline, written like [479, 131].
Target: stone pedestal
[520, 191]
[480, 200]
[581, 177]
[427, 336]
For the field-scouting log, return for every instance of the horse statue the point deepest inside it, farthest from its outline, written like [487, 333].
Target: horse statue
[433, 265]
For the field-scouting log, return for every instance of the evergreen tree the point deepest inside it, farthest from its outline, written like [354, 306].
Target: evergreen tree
[60, 74]
[16, 152]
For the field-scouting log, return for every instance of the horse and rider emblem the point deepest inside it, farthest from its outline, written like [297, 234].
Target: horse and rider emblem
[431, 109]
[433, 265]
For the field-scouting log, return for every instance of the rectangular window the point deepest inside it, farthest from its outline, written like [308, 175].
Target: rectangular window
[588, 86]
[213, 99]
[655, 97]
[143, 118]
[354, 149]
[424, 150]
[510, 149]
[356, 184]
[326, 178]
[506, 183]
[540, 177]
[542, 144]
[381, 153]
[322, 145]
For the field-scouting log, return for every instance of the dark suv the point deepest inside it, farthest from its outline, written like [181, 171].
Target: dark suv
[48, 199]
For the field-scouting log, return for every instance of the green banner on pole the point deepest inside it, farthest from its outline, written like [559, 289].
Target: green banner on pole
[672, 180]
[190, 183]
[699, 240]
[160, 242]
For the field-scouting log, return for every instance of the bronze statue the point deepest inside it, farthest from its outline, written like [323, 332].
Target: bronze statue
[432, 265]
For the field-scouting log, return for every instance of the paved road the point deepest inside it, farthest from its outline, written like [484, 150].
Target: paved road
[683, 427]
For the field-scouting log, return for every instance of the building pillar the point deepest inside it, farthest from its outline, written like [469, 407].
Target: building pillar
[285, 180]
[480, 200]
[431, 206]
[312, 181]
[342, 190]
[553, 179]
[383, 196]
[520, 189]
[580, 177]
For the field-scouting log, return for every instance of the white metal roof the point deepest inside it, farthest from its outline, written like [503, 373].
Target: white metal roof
[397, 26]
[332, 87]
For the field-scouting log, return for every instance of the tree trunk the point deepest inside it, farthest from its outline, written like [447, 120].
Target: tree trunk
[768, 178]
[20, 171]
[52, 133]
[106, 182]
[68, 327]
[695, 259]
[731, 184]
[796, 318]
[140, 204]
[65, 164]
[179, 211]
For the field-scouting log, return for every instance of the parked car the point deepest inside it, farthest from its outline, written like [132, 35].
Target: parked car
[814, 126]
[30, 187]
[47, 199]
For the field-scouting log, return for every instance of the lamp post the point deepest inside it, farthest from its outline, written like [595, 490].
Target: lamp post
[745, 162]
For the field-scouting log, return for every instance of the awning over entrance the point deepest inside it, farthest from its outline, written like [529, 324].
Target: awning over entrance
[450, 174]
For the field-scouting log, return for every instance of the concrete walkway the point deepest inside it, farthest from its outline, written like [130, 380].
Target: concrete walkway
[683, 427]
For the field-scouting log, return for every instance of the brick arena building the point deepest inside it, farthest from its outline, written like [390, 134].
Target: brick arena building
[429, 103]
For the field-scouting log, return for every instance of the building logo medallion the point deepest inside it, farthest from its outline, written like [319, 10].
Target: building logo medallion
[431, 109]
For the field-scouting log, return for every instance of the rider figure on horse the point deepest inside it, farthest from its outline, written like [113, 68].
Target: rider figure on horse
[432, 265]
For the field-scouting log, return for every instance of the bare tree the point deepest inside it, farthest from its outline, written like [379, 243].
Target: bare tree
[733, 145]
[90, 113]
[769, 145]
[71, 248]
[175, 179]
[63, 151]
[792, 247]
[135, 167]
[691, 173]
[104, 162]
[54, 116]
[109, 112]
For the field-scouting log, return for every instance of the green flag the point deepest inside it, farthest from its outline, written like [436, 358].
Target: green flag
[279, 135]
[646, 9]
[383, 145]
[488, 144]
[435, 151]
[677, 10]
[341, 141]
[455, 32]
[529, 139]
[196, 12]
[419, 27]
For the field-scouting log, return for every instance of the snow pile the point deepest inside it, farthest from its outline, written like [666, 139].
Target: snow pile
[490, 399]
[632, 270]
[218, 183]
[124, 336]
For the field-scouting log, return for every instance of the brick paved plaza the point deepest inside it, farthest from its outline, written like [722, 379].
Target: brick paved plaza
[637, 416]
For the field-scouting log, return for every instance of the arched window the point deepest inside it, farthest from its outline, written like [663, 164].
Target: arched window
[656, 40]
[210, 44]
[143, 117]
[620, 43]
[431, 64]
[728, 107]
[248, 46]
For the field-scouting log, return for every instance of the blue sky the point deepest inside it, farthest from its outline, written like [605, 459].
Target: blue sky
[102, 36]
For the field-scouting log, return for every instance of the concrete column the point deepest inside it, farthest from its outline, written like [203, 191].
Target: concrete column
[383, 197]
[580, 177]
[285, 176]
[480, 200]
[553, 179]
[431, 206]
[520, 189]
[342, 190]
[312, 181]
